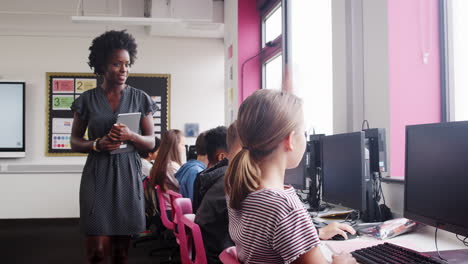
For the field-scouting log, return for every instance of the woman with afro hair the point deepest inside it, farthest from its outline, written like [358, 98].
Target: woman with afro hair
[111, 195]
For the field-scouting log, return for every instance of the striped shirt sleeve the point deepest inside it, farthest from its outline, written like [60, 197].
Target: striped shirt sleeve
[294, 235]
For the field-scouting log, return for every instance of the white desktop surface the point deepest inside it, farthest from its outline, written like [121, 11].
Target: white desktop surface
[421, 240]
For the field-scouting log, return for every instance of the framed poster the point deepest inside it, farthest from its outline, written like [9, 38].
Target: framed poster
[63, 88]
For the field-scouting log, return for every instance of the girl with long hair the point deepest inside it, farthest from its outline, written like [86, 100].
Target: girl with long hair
[168, 161]
[267, 221]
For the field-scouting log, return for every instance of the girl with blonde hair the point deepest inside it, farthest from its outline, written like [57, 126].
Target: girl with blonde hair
[267, 221]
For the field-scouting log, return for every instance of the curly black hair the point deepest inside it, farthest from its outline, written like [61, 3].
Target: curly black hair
[105, 44]
[215, 140]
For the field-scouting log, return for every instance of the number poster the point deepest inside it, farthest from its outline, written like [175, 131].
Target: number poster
[64, 88]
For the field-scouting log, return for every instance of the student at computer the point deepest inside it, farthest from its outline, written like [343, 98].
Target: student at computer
[267, 221]
[216, 150]
[212, 216]
[167, 162]
[187, 174]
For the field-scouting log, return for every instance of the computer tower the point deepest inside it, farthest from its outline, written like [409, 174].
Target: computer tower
[376, 157]
[314, 147]
[377, 149]
[371, 213]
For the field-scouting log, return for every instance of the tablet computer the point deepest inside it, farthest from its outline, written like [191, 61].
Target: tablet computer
[132, 121]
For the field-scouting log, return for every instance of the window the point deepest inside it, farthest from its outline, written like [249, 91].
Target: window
[457, 59]
[309, 50]
[273, 25]
[271, 54]
[273, 73]
[311, 59]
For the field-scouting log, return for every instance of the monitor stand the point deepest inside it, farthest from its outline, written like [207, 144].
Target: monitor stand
[458, 256]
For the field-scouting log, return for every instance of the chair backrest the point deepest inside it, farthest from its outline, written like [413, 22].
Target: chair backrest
[190, 237]
[172, 197]
[169, 224]
[182, 206]
[229, 256]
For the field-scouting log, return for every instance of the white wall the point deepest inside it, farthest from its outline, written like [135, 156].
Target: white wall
[231, 65]
[339, 66]
[394, 193]
[29, 51]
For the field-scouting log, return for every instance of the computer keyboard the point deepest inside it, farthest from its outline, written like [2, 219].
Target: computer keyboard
[392, 254]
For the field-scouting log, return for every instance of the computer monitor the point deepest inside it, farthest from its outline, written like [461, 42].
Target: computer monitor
[343, 161]
[190, 152]
[436, 175]
[297, 177]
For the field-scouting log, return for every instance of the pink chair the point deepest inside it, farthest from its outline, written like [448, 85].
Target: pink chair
[169, 224]
[182, 206]
[229, 256]
[192, 249]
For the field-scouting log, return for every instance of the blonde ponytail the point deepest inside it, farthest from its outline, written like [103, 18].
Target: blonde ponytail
[264, 120]
[242, 178]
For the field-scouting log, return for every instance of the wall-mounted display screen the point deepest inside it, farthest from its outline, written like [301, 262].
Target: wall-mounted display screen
[12, 118]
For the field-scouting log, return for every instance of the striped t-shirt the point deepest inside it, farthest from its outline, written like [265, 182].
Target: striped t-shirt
[272, 227]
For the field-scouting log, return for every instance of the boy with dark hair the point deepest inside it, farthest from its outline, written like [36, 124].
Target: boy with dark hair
[216, 150]
[212, 215]
[187, 174]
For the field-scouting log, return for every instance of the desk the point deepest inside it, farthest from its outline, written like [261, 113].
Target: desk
[421, 240]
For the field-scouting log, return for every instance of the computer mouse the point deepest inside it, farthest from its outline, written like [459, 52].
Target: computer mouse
[340, 237]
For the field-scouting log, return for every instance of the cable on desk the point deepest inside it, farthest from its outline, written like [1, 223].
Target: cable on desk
[463, 240]
[315, 213]
[437, 248]
[355, 216]
[315, 189]
[380, 187]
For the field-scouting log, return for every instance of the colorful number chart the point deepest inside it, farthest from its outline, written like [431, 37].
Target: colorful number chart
[64, 88]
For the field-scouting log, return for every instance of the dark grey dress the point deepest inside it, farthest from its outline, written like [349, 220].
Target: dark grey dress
[111, 193]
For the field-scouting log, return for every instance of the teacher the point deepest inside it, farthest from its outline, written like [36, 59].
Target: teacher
[111, 194]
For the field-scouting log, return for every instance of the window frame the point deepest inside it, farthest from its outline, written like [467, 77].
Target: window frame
[446, 64]
[270, 52]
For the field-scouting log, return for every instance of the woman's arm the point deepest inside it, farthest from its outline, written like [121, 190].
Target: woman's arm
[79, 144]
[144, 142]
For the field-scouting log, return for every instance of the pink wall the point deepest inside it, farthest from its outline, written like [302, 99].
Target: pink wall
[414, 86]
[248, 45]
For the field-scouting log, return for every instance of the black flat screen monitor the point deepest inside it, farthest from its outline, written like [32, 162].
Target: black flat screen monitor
[343, 162]
[436, 175]
[12, 119]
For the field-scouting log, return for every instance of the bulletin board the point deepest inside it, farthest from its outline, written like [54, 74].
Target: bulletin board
[64, 88]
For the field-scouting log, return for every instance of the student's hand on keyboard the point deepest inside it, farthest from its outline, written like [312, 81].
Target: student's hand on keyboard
[335, 228]
[343, 258]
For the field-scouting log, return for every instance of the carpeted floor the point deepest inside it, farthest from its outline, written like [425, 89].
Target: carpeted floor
[56, 241]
